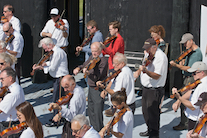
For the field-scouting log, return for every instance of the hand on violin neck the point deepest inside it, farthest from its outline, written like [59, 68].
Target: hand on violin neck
[99, 84]
[173, 63]
[55, 106]
[102, 45]
[142, 68]
[175, 92]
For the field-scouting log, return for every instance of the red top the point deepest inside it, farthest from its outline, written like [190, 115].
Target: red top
[116, 45]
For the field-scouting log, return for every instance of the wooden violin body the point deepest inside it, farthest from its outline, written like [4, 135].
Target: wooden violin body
[63, 100]
[109, 39]
[3, 90]
[12, 130]
[4, 19]
[200, 124]
[92, 64]
[183, 55]
[9, 39]
[186, 88]
[59, 23]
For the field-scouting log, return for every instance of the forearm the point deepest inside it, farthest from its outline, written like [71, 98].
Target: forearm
[181, 67]
[152, 74]
[12, 52]
[186, 103]
[117, 134]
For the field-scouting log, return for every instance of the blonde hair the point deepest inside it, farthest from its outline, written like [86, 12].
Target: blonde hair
[8, 58]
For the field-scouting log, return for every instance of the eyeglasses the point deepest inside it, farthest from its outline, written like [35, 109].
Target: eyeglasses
[2, 63]
[2, 79]
[18, 116]
[194, 73]
[7, 31]
[76, 131]
[90, 29]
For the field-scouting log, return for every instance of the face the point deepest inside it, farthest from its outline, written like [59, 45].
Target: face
[188, 44]
[95, 51]
[21, 117]
[6, 12]
[55, 18]
[155, 36]
[3, 64]
[116, 64]
[197, 75]
[112, 30]
[47, 48]
[5, 80]
[91, 30]
[116, 105]
[77, 130]
[68, 86]
[7, 30]
[2, 50]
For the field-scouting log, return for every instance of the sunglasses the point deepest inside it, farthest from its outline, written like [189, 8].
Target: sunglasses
[2, 63]
[194, 73]
[7, 31]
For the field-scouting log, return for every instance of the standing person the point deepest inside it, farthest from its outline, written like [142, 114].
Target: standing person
[60, 33]
[202, 103]
[8, 12]
[25, 113]
[99, 72]
[116, 45]
[124, 127]
[10, 100]
[153, 78]
[124, 79]
[158, 33]
[190, 59]
[80, 127]
[92, 28]
[192, 112]
[76, 105]
[57, 66]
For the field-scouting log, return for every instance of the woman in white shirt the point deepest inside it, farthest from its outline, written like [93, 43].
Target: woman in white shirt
[25, 113]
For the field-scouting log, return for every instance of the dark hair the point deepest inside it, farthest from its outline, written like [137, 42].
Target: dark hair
[10, 7]
[31, 119]
[119, 96]
[157, 29]
[116, 24]
[10, 72]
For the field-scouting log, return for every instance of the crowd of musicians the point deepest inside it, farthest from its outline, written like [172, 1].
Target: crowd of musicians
[104, 77]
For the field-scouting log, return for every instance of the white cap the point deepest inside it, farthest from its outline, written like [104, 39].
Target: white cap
[199, 66]
[54, 11]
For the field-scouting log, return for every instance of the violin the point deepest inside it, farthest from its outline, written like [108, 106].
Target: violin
[63, 100]
[109, 78]
[186, 88]
[183, 55]
[9, 39]
[3, 90]
[77, 53]
[116, 119]
[157, 42]
[3, 19]
[109, 39]
[92, 64]
[201, 123]
[60, 21]
[42, 60]
[13, 130]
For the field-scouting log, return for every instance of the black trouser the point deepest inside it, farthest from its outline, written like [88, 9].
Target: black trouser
[132, 106]
[5, 125]
[191, 124]
[67, 130]
[95, 108]
[151, 98]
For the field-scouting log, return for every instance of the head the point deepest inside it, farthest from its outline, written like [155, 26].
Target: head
[8, 29]
[114, 27]
[150, 46]
[119, 61]
[6, 60]
[187, 40]
[8, 11]
[96, 49]
[47, 44]
[157, 32]
[54, 14]
[79, 125]
[119, 98]
[68, 83]
[2, 46]
[202, 102]
[92, 26]
[7, 76]
[198, 70]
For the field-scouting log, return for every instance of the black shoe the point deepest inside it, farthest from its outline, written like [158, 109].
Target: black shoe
[180, 127]
[50, 120]
[52, 124]
[144, 134]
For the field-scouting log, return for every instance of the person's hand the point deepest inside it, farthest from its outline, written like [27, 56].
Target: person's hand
[100, 85]
[175, 106]
[55, 106]
[49, 35]
[142, 68]
[103, 94]
[78, 48]
[190, 135]
[56, 118]
[34, 67]
[102, 45]
[76, 71]
[172, 63]
[85, 71]
[175, 92]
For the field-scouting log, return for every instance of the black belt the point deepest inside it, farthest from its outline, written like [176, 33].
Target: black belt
[153, 88]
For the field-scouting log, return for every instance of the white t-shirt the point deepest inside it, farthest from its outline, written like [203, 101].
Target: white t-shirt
[125, 125]
[197, 113]
[15, 23]
[125, 79]
[91, 133]
[57, 34]
[28, 133]
[10, 101]
[159, 66]
[203, 132]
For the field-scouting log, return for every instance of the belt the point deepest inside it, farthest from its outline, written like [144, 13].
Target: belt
[153, 88]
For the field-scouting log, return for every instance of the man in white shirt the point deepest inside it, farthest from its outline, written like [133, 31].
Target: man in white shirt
[10, 100]
[59, 33]
[76, 105]
[81, 129]
[57, 66]
[192, 112]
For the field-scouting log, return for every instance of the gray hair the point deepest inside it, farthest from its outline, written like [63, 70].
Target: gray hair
[122, 57]
[10, 72]
[81, 119]
[47, 41]
[8, 58]
[2, 44]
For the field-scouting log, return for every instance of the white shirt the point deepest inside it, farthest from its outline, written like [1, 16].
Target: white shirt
[159, 66]
[57, 33]
[10, 101]
[15, 23]
[58, 64]
[197, 113]
[125, 125]
[77, 104]
[125, 79]
[91, 133]
[203, 132]
[17, 44]
[28, 133]
[2, 34]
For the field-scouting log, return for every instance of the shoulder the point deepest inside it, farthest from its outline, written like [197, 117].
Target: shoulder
[128, 116]
[119, 37]
[28, 133]
[104, 59]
